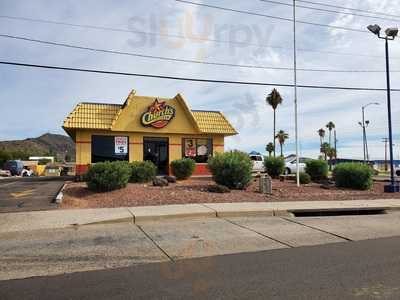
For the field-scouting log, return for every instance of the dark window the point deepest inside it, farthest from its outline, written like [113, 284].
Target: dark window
[109, 148]
[197, 149]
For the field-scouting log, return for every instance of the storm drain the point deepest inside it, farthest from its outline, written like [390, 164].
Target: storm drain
[338, 212]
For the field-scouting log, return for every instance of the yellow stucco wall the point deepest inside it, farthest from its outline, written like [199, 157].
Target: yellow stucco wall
[129, 118]
[84, 138]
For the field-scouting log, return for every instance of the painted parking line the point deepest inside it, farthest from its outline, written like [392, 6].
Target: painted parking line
[22, 193]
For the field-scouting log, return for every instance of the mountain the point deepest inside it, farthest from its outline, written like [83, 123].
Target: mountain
[45, 145]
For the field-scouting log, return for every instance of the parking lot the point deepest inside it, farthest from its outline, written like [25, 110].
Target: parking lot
[26, 194]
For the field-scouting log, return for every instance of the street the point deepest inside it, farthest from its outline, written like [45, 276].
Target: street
[357, 270]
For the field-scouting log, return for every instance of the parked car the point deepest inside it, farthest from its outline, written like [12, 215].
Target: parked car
[26, 172]
[290, 165]
[14, 166]
[258, 161]
[5, 173]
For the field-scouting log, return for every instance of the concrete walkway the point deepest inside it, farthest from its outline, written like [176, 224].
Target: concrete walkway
[47, 252]
[25, 221]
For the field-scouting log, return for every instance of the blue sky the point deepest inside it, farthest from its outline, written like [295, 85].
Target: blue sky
[35, 101]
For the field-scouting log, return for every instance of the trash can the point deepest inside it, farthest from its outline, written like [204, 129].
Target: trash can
[265, 184]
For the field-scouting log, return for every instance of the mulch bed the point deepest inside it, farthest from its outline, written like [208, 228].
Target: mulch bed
[77, 195]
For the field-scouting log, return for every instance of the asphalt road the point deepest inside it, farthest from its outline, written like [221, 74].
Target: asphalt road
[356, 270]
[26, 195]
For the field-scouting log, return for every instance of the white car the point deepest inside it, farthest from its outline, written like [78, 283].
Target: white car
[258, 162]
[26, 172]
[290, 165]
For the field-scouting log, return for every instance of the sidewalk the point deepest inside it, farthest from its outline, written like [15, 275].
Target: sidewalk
[25, 221]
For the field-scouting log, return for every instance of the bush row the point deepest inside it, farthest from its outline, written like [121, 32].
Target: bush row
[108, 176]
[231, 169]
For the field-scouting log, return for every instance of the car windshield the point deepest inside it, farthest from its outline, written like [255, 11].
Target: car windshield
[256, 158]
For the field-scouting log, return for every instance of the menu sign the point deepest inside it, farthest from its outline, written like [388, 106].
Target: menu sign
[121, 144]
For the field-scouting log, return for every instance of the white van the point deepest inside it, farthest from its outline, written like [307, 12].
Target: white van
[258, 161]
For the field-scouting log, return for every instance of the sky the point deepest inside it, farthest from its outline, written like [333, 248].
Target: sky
[36, 101]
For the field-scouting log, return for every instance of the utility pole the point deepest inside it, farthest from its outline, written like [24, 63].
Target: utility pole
[385, 140]
[295, 94]
[335, 143]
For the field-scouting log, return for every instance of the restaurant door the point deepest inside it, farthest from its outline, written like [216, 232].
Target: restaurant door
[156, 150]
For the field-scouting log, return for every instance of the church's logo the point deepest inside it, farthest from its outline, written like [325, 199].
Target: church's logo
[158, 115]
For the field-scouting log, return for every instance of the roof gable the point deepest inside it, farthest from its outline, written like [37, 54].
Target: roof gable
[127, 117]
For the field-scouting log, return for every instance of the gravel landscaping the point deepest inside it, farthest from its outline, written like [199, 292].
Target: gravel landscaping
[77, 195]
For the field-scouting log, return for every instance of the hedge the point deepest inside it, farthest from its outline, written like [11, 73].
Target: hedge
[183, 168]
[231, 169]
[274, 166]
[353, 175]
[142, 171]
[317, 169]
[305, 178]
[108, 176]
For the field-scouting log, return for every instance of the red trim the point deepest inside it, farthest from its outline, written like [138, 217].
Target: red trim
[136, 143]
[201, 169]
[218, 145]
[81, 169]
[175, 144]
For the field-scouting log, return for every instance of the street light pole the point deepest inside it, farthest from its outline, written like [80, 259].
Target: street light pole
[363, 129]
[391, 33]
[392, 188]
[364, 125]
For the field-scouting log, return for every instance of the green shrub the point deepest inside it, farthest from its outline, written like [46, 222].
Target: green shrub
[305, 178]
[142, 171]
[317, 169]
[274, 166]
[183, 168]
[231, 169]
[108, 176]
[353, 175]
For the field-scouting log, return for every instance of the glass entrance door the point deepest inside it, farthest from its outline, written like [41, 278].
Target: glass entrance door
[156, 151]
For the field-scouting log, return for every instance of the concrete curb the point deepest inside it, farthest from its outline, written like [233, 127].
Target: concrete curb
[60, 195]
[25, 221]
[174, 211]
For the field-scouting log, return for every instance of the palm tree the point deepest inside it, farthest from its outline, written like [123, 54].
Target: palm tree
[321, 133]
[330, 126]
[270, 148]
[274, 99]
[331, 152]
[281, 136]
[324, 149]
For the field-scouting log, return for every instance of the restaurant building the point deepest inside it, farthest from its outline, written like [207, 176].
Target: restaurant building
[146, 128]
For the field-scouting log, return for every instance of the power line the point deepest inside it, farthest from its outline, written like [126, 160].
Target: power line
[331, 11]
[349, 8]
[103, 28]
[192, 79]
[270, 16]
[184, 60]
